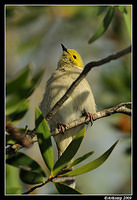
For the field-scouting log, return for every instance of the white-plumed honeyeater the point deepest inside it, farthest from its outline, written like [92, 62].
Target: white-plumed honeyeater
[81, 100]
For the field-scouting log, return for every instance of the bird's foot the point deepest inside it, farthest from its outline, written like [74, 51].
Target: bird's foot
[88, 114]
[91, 117]
[61, 127]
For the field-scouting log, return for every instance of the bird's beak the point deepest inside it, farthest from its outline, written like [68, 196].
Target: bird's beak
[64, 48]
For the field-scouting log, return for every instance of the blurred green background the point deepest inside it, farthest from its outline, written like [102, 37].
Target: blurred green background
[33, 36]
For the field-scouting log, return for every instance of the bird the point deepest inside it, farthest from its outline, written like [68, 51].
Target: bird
[69, 67]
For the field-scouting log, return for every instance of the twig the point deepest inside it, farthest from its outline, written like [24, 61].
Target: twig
[84, 73]
[38, 186]
[120, 108]
[87, 68]
[34, 188]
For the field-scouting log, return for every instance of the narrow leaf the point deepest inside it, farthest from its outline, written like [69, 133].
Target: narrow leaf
[16, 84]
[13, 104]
[37, 77]
[20, 159]
[128, 24]
[65, 189]
[104, 25]
[122, 9]
[18, 98]
[80, 159]
[12, 179]
[101, 9]
[92, 165]
[69, 153]
[9, 140]
[20, 112]
[126, 18]
[30, 177]
[23, 92]
[44, 139]
[13, 190]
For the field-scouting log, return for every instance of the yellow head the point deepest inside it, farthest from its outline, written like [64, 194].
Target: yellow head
[70, 57]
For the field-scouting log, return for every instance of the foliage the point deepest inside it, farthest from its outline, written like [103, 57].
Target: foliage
[107, 20]
[30, 171]
[104, 25]
[18, 92]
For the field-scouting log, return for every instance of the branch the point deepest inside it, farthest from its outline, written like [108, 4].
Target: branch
[34, 188]
[17, 136]
[15, 147]
[40, 185]
[87, 68]
[84, 73]
[120, 108]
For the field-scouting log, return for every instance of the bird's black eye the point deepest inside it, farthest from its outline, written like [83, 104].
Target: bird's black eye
[74, 57]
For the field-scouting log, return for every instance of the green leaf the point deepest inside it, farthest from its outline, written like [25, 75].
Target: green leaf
[122, 9]
[9, 140]
[101, 9]
[30, 177]
[13, 190]
[12, 180]
[80, 159]
[16, 100]
[38, 76]
[126, 18]
[69, 153]
[19, 159]
[104, 25]
[44, 139]
[16, 84]
[128, 24]
[92, 165]
[20, 112]
[65, 189]
[24, 91]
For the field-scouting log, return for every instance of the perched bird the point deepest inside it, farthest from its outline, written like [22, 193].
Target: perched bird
[81, 100]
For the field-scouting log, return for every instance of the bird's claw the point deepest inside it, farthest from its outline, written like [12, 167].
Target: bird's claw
[91, 117]
[88, 114]
[61, 127]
